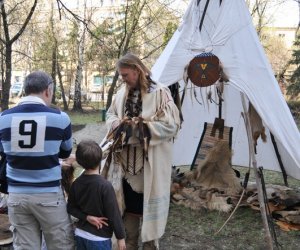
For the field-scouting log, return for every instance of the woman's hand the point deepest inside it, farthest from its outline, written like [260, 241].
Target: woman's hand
[97, 221]
[137, 119]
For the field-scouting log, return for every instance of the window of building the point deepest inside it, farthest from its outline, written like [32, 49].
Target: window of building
[108, 80]
[97, 81]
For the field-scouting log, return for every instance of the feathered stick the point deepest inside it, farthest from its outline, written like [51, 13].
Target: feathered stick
[144, 136]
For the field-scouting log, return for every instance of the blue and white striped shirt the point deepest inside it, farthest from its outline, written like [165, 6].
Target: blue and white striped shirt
[34, 137]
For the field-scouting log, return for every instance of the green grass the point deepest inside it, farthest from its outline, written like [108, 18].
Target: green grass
[270, 177]
[188, 229]
[85, 117]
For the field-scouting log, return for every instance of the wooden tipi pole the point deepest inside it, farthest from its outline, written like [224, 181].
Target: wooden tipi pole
[262, 206]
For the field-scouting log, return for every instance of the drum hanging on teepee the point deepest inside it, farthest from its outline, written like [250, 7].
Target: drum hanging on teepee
[204, 69]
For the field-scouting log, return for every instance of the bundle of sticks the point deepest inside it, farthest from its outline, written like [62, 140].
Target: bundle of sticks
[120, 135]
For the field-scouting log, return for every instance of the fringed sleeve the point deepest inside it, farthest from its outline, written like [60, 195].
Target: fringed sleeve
[164, 124]
[115, 113]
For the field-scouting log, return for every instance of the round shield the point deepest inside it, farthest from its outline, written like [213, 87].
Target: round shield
[204, 69]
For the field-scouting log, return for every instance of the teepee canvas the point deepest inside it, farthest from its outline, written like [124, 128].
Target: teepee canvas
[227, 32]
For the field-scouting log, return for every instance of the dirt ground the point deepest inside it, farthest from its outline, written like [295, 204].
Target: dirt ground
[195, 230]
[95, 131]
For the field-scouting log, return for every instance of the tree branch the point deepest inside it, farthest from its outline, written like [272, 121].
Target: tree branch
[125, 29]
[5, 24]
[78, 18]
[25, 23]
[23, 54]
[152, 51]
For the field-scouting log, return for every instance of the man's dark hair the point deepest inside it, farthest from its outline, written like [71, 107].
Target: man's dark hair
[88, 154]
[36, 82]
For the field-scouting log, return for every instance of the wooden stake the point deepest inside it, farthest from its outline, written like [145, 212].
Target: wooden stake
[263, 211]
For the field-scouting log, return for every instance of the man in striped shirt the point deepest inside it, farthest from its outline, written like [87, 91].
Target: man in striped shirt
[34, 136]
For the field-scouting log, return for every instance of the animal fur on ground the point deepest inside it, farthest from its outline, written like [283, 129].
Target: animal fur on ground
[197, 199]
[216, 171]
[212, 184]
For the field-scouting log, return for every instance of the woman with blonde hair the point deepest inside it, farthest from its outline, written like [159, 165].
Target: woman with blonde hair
[142, 120]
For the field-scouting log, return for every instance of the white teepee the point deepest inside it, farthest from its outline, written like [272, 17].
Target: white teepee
[228, 33]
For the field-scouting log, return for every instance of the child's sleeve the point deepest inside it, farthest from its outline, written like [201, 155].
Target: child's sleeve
[112, 211]
[72, 208]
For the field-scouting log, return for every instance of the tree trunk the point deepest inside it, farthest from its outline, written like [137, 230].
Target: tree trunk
[111, 90]
[298, 26]
[124, 45]
[7, 80]
[54, 54]
[2, 63]
[8, 43]
[53, 70]
[62, 87]
[77, 91]
[78, 79]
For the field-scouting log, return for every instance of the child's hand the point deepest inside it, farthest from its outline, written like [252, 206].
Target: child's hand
[121, 244]
[97, 221]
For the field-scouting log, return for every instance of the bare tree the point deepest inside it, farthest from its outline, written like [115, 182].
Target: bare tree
[141, 30]
[61, 86]
[278, 54]
[131, 20]
[132, 31]
[81, 43]
[8, 42]
[78, 78]
[275, 48]
[259, 12]
[54, 53]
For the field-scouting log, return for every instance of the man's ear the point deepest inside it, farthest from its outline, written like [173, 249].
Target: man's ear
[47, 92]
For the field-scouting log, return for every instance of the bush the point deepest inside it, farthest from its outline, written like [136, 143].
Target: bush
[294, 107]
[295, 110]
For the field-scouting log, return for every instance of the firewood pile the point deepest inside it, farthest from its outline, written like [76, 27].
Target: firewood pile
[283, 204]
